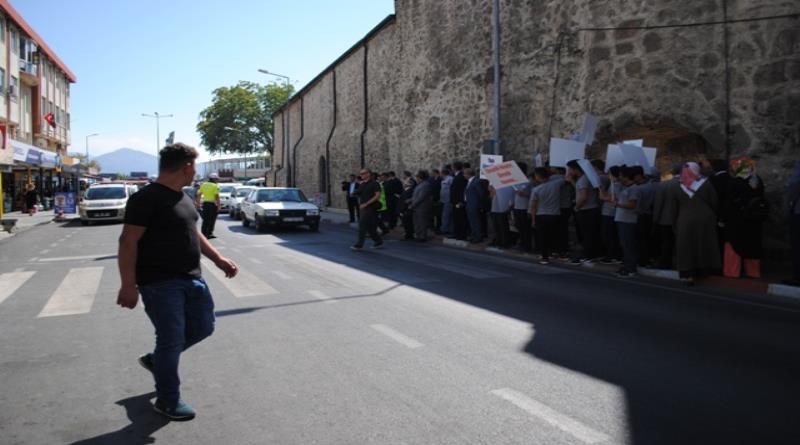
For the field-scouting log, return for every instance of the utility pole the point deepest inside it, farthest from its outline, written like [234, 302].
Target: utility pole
[496, 44]
[158, 118]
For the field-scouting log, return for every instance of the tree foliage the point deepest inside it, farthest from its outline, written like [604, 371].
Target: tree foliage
[82, 158]
[246, 107]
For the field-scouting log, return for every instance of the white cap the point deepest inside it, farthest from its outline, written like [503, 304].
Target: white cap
[213, 176]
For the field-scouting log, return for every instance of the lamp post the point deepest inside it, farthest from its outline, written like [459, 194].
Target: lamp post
[158, 127]
[245, 152]
[87, 144]
[285, 124]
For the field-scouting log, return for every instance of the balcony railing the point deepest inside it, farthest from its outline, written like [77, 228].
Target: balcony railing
[27, 67]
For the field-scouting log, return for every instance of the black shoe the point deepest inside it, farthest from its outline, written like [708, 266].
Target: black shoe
[179, 411]
[211, 236]
[378, 245]
[624, 273]
[147, 362]
[356, 247]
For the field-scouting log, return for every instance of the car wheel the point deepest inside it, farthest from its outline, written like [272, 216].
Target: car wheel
[314, 227]
[245, 221]
[260, 226]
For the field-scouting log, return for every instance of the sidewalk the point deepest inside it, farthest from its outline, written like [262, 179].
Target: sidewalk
[768, 285]
[25, 221]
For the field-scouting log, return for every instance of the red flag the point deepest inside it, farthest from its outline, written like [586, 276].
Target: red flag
[50, 119]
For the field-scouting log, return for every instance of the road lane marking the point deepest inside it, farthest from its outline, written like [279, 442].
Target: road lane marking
[397, 336]
[256, 260]
[282, 275]
[551, 416]
[75, 294]
[10, 282]
[74, 258]
[245, 284]
[44, 252]
[321, 296]
[54, 245]
[34, 259]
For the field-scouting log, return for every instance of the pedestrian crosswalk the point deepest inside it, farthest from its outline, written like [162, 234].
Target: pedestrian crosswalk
[75, 294]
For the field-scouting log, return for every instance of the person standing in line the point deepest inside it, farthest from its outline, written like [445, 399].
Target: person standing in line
[473, 197]
[696, 226]
[351, 188]
[644, 215]
[664, 208]
[384, 215]
[457, 193]
[436, 188]
[609, 189]
[159, 258]
[745, 211]
[404, 207]
[626, 220]
[444, 198]
[522, 219]
[486, 207]
[207, 199]
[369, 196]
[422, 206]
[545, 211]
[587, 214]
[393, 188]
[566, 202]
[502, 202]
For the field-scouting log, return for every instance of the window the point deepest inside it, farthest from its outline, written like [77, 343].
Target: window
[44, 107]
[15, 85]
[2, 29]
[2, 79]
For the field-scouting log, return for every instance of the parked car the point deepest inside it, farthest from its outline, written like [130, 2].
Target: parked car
[235, 203]
[225, 192]
[105, 202]
[268, 207]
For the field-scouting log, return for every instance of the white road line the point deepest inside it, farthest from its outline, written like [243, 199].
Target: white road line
[44, 252]
[75, 294]
[19, 269]
[34, 259]
[282, 275]
[397, 336]
[256, 260]
[321, 296]
[245, 284]
[74, 258]
[10, 282]
[551, 416]
[54, 245]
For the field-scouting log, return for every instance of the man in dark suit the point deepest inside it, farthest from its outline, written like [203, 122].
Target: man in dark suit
[474, 197]
[351, 189]
[457, 190]
[393, 188]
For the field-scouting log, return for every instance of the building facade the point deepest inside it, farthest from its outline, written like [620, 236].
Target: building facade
[34, 113]
[694, 78]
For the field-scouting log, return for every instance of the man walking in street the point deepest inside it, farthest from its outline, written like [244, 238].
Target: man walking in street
[207, 200]
[159, 258]
[369, 194]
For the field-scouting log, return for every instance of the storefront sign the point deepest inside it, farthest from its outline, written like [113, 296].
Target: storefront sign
[65, 202]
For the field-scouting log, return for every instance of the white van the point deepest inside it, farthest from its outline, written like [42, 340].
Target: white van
[105, 202]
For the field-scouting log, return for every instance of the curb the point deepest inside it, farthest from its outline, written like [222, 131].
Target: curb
[785, 291]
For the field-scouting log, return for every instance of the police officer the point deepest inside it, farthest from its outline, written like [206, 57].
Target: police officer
[207, 199]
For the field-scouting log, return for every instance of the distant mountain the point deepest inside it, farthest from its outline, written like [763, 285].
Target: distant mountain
[127, 160]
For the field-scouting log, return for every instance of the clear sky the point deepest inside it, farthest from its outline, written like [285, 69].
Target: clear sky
[141, 56]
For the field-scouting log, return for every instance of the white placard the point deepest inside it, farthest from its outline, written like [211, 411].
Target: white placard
[650, 154]
[488, 161]
[588, 170]
[614, 157]
[589, 129]
[538, 161]
[634, 155]
[563, 151]
[506, 174]
[636, 142]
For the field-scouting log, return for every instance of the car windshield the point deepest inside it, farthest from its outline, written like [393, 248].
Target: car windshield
[226, 189]
[243, 192]
[280, 195]
[106, 193]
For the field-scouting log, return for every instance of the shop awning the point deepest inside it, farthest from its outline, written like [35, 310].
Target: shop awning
[28, 154]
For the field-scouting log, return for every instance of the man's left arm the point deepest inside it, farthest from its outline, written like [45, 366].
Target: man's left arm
[225, 264]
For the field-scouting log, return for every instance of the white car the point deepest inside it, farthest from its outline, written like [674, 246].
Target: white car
[225, 192]
[235, 201]
[276, 206]
[105, 202]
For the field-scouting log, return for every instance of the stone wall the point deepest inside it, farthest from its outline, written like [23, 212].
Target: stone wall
[647, 68]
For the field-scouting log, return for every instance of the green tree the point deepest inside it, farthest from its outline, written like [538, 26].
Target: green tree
[82, 157]
[246, 107]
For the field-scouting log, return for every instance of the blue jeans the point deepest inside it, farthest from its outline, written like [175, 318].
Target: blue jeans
[182, 311]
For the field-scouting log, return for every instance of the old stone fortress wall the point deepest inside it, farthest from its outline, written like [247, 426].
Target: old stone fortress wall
[416, 92]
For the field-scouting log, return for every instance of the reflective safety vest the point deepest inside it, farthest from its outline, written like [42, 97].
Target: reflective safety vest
[208, 191]
[382, 199]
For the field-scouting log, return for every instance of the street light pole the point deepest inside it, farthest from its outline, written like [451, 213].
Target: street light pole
[285, 124]
[158, 127]
[496, 38]
[87, 144]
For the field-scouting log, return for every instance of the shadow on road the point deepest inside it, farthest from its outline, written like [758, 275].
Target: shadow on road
[144, 422]
[694, 369]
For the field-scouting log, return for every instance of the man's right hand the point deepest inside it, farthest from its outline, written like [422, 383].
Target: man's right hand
[128, 297]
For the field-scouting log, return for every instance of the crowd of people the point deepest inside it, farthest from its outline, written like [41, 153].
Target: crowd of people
[698, 218]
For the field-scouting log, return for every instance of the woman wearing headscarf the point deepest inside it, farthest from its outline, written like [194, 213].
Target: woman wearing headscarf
[744, 212]
[696, 225]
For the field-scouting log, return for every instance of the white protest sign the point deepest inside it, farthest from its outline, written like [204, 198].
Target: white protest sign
[589, 129]
[650, 154]
[506, 174]
[636, 142]
[488, 161]
[614, 157]
[634, 155]
[588, 170]
[563, 151]
[538, 161]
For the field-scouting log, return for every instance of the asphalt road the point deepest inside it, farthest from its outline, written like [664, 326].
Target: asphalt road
[413, 344]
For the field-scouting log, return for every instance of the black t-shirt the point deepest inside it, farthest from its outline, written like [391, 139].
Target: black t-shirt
[366, 192]
[169, 248]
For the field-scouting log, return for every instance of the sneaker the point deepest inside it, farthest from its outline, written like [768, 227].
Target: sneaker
[356, 247]
[625, 274]
[378, 245]
[147, 362]
[180, 411]
[544, 262]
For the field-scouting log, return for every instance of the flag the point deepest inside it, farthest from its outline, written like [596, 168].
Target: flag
[3, 131]
[171, 138]
[50, 119]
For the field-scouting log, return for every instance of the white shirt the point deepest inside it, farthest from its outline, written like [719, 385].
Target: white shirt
[352, 188]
